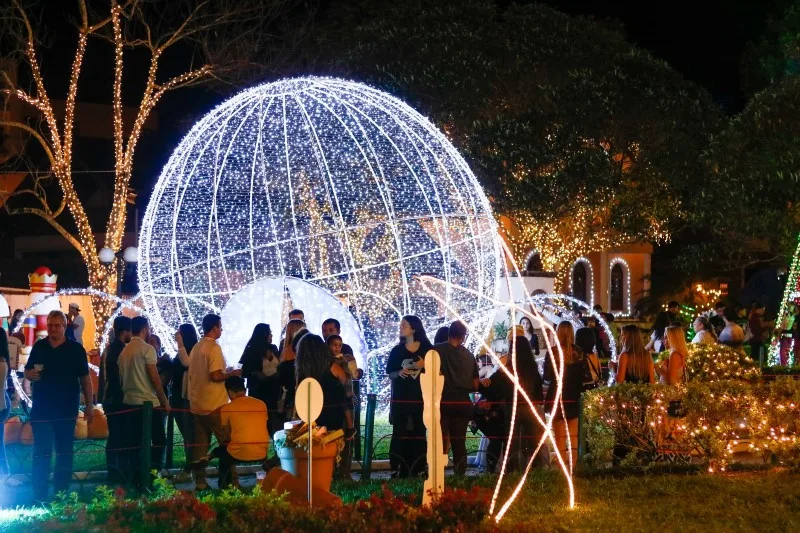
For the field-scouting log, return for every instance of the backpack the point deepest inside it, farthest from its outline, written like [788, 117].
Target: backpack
[592, 374]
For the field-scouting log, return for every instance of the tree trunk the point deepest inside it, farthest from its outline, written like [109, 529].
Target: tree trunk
[105, 280]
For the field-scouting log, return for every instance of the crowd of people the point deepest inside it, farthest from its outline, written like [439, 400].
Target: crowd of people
[245, 405]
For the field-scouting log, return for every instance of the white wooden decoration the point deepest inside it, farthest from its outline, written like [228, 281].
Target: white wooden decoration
[308, 403]
[432, 383]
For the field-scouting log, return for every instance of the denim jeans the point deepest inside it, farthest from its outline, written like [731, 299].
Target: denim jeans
[60, 434]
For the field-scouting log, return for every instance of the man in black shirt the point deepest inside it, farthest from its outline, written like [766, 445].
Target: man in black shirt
[460, 370]
[110, 395]
[58, 369]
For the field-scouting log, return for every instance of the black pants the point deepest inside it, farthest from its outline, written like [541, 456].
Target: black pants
[527, 433]
[227, 463]
[115, 456]
[58, 434]
[185, 422]
[408, 447]
[158, 442]
[454, 435]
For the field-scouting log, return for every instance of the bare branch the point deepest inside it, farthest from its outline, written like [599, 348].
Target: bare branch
[33, 133]
[53, 222]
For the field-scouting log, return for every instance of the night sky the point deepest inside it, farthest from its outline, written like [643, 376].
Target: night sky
[703, 40]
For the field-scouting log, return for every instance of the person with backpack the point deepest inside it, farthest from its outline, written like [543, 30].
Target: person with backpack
[565, 417]
[585, 339]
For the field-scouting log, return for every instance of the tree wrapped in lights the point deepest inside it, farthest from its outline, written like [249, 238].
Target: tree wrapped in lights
[791, 295]
[155, 27]
[326, 180]
[566, 124]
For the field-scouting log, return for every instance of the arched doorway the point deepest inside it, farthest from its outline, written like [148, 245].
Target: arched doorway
[534, 263]
[617, 288]
[580, 281]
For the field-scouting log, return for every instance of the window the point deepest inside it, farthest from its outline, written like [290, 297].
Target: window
[617, 288]
[579, 284]
[534, 263]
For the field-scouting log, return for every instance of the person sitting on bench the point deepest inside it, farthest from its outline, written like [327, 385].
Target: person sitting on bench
[244, 422]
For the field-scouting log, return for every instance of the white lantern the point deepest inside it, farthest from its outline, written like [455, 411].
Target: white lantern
[131, 254]
[106, 256]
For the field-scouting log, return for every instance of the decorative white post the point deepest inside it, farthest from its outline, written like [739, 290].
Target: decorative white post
[308, 402]
[432, 383]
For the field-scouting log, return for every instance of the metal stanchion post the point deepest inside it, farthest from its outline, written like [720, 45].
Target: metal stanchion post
[357, 417]
[144, 445]
[369, 429]
[581, 433]
[170, 437]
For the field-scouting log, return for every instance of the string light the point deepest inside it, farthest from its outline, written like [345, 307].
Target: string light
[326, 180]
[791, 294]
[626, 275]
[58, 143]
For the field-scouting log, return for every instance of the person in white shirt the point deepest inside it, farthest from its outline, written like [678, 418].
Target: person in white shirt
[207, 394]
[140, 383]
[704, 333]
[76, 321]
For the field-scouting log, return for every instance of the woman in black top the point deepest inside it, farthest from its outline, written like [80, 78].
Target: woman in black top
[408, 447]
[186, 337]
[314, 361]
[572, 387]
[499, 388]
[260, 367]
[532, 337]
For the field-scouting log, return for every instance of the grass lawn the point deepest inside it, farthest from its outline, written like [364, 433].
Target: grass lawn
[744, 501]
[90, 454]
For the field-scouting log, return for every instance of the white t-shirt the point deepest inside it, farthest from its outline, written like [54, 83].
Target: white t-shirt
[80, 323]
[205, 395]
[136, 385]
[703, 337]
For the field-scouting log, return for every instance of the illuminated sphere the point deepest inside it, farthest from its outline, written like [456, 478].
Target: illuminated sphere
[329, 181]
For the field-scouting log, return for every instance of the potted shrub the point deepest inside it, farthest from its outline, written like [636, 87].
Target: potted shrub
[291, 445]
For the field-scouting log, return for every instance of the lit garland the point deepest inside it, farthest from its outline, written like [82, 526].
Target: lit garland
[94, 293]
[325, 180]
[722, 419]
[58, 143]
[626, 274]
[716, 362]
[589, 281]
[791, 294]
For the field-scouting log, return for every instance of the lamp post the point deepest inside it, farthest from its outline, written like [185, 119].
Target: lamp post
[108, 258]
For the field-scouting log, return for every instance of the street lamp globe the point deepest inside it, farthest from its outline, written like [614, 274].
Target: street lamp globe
[131, 254]
[106, 256]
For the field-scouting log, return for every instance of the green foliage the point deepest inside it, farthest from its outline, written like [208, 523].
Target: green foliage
[555, 113]
[716, 362]
[776, 55]
[501, 330]
[724, 420]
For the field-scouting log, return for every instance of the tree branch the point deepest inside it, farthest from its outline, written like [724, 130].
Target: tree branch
[33, 133]
[50, 220]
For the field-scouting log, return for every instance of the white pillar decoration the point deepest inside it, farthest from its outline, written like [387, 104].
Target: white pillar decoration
[432, 384]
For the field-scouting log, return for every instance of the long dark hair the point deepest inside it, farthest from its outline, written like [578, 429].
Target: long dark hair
[660, 325]
[585, 339]
[313, 358]
[419, 330]
[189, 336]
[256, 348]
[442, 334]
[5, 355]
[526, 368]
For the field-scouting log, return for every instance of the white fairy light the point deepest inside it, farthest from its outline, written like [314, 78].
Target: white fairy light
[326, 180]
[626, 274]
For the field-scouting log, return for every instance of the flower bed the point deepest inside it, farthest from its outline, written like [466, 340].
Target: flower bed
[721, 422]
[170, 510]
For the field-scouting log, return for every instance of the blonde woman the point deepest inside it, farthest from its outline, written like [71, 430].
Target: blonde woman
[634, 365]
[673, 369]
[572, 386]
